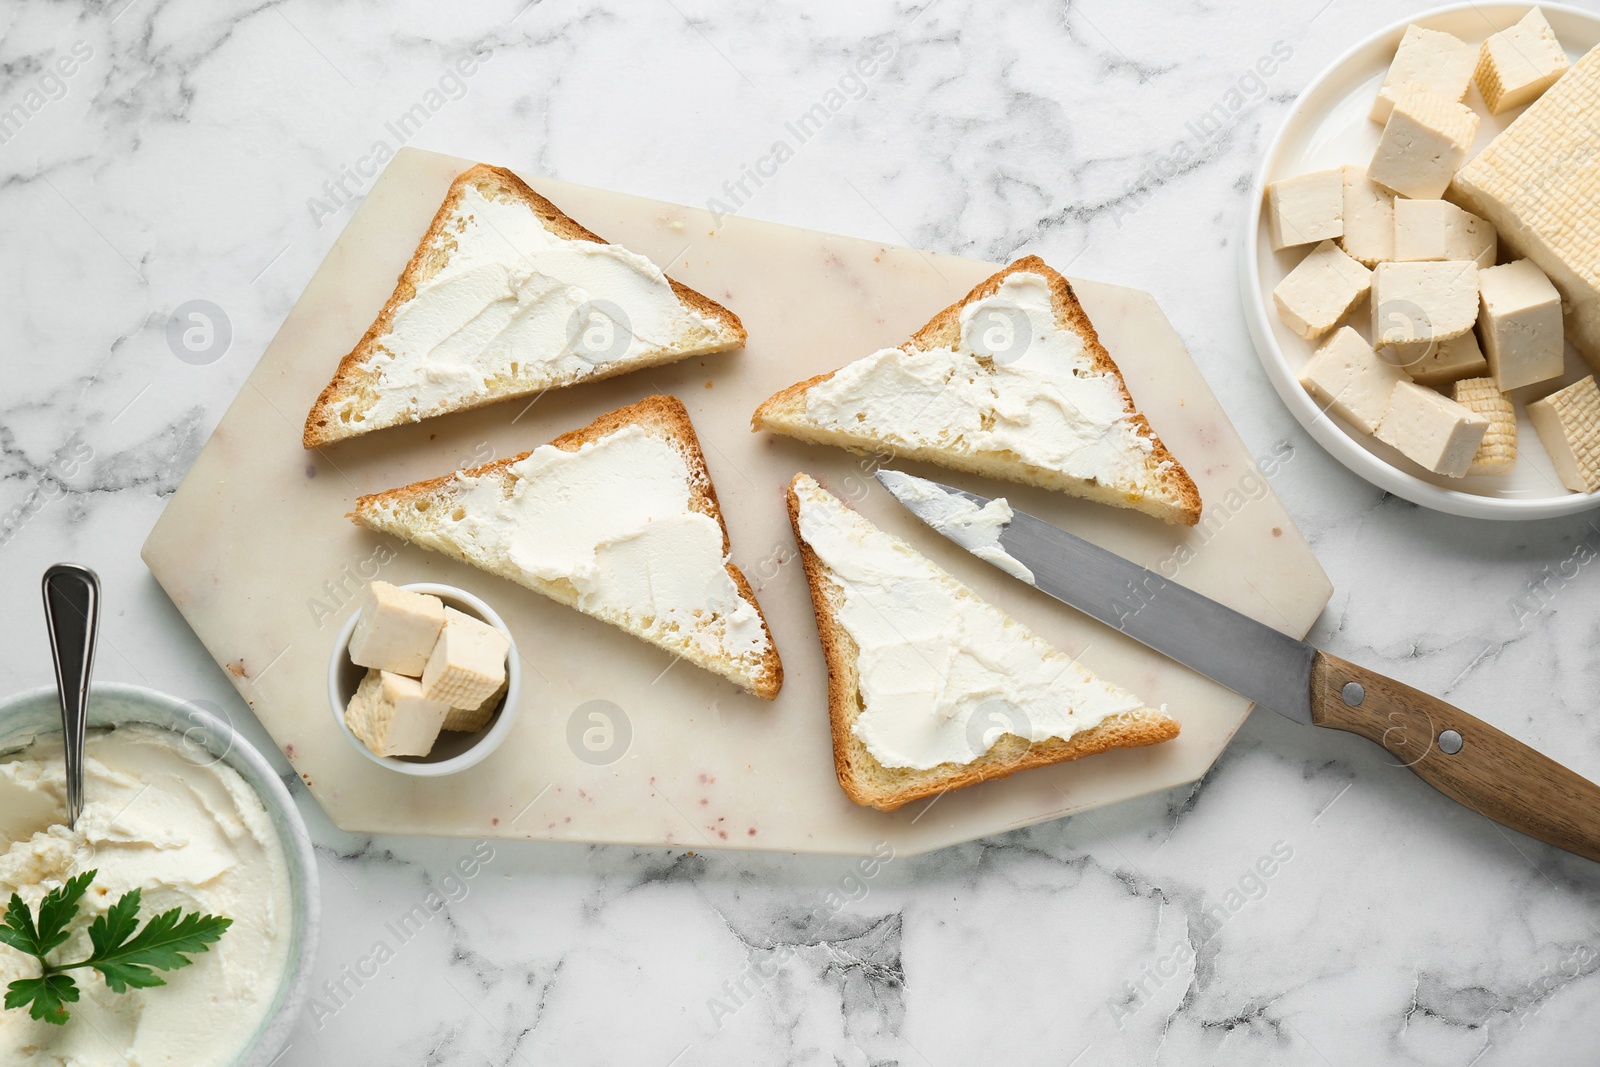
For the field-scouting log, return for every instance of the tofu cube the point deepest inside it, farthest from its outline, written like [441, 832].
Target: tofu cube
[1522, 334]
[1538, 182]
[1568, 422]
[1516, 65]
[1424, 143]
[1428, 60]
[1498, 452]
[1432, 430]
[396, 630]
[1317, 294]
[1305, 210]
[1440, 362]
[1351, 380]
[1368, 218]
[471, 720]
[392, 717]
[1437, 229]
[1414, 302]
[467, 664]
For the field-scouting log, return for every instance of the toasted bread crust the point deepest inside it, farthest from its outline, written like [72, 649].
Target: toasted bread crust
[855, 765]
[944, 330]
[793, 396]
[664, 415]
[321, 427]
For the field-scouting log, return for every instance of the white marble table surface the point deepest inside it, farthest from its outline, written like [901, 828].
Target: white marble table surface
[196, 152]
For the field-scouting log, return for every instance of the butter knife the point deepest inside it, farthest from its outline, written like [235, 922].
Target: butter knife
[1463, 757]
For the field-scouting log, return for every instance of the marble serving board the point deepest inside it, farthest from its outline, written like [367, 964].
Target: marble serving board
[256, 551]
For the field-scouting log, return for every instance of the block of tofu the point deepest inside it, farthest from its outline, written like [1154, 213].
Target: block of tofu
[1316, 295]
[1423, 144]
[471, 720]
[1432, 430]
[1368, 218]
[392, 717]
[1568, 422]
[1440, 362]
[1538, 184]
[1351, 380]
[1415, 302]
[1521, 324]
[1429, 60]
[1517, 64]
[1437, 229]
[1498, 451]
[1305, 209]
[396, 629]
[468, 663]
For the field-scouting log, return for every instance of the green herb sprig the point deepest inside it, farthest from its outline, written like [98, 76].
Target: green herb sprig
[123, 954]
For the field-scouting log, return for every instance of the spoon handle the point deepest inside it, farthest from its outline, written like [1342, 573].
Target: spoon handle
[72, 612]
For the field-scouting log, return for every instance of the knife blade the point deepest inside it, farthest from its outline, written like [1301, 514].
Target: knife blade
[1461, 756]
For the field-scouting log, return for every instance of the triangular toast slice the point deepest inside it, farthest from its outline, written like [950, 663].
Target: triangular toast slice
[931, 688]
[619, 520]
[1010, 382]
[507, 296]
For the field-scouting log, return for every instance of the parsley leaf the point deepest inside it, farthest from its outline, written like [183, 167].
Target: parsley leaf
[18, 930]
[117, 924]
[57, 909]
[163, 943]
[45, 995]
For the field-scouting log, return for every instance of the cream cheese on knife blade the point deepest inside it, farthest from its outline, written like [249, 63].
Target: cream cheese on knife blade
[976, 529]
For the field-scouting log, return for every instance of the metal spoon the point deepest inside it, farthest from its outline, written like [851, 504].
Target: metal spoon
[72, 612]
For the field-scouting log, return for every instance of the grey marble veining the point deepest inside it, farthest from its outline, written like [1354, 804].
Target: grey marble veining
[1305, 903]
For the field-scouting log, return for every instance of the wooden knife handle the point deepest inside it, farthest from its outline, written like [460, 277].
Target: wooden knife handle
[1490, 772]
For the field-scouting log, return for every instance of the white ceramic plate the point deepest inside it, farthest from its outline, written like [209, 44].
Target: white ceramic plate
[453, 751]
[1328, 127]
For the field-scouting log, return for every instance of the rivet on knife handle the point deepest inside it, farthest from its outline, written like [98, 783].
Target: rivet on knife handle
[1463, 757]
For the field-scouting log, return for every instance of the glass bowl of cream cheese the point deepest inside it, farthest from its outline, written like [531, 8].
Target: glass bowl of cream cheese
[181, 807]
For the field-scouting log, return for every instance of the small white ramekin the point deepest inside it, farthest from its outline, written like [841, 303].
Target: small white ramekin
[454, 751]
